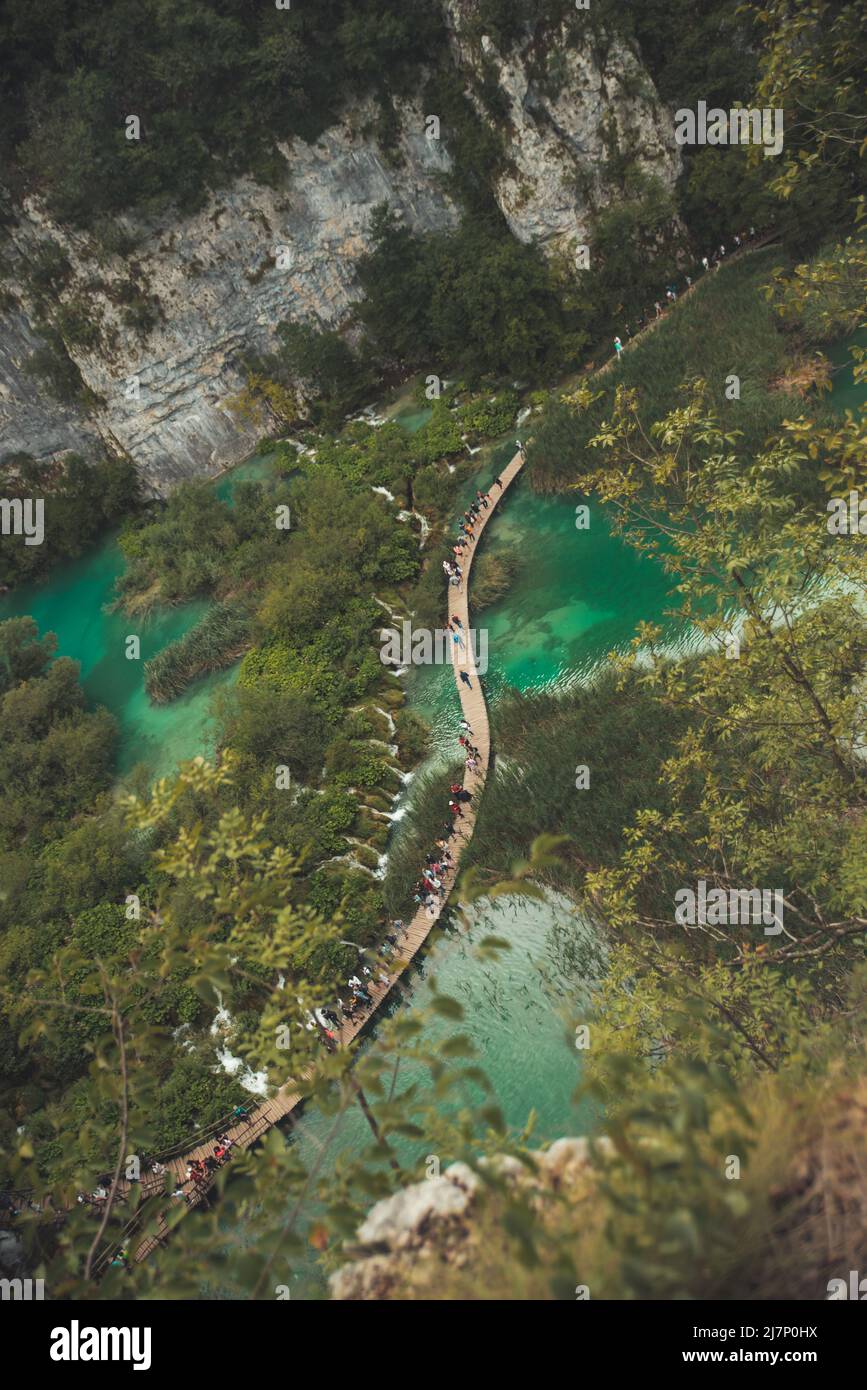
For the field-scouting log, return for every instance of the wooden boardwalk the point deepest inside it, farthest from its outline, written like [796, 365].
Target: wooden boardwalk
[270, 1112]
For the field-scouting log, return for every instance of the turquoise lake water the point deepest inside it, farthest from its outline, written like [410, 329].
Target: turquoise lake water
[76, 604]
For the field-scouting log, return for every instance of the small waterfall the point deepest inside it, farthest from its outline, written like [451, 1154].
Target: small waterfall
[424, 524]
[256, 1082]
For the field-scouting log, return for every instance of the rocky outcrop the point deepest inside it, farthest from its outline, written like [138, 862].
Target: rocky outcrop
[410, 1243]
[30, 422]
[569, 104]
[790, 1228]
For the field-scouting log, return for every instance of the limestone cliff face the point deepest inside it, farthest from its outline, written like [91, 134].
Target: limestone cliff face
[30, 422]
[219, 282]
[568, 102]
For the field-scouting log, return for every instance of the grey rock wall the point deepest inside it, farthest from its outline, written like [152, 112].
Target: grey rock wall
[216, 281]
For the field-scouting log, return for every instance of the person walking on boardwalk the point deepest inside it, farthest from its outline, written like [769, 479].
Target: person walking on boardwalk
[465, 725]
[466, 680]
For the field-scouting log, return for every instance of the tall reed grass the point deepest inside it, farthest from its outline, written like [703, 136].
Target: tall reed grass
[621, 735]
[221, 636]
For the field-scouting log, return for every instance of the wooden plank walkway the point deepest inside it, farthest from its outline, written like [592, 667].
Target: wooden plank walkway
[270, 1112]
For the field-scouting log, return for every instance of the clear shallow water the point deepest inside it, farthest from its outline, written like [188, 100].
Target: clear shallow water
[577, 595]
[519, 1010]
[75, 603]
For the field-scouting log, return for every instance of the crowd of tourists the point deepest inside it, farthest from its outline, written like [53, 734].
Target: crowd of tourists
[465, 540]
[428, 892]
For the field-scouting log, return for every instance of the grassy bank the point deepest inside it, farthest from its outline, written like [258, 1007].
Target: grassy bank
[621, 736]
[725, 328]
